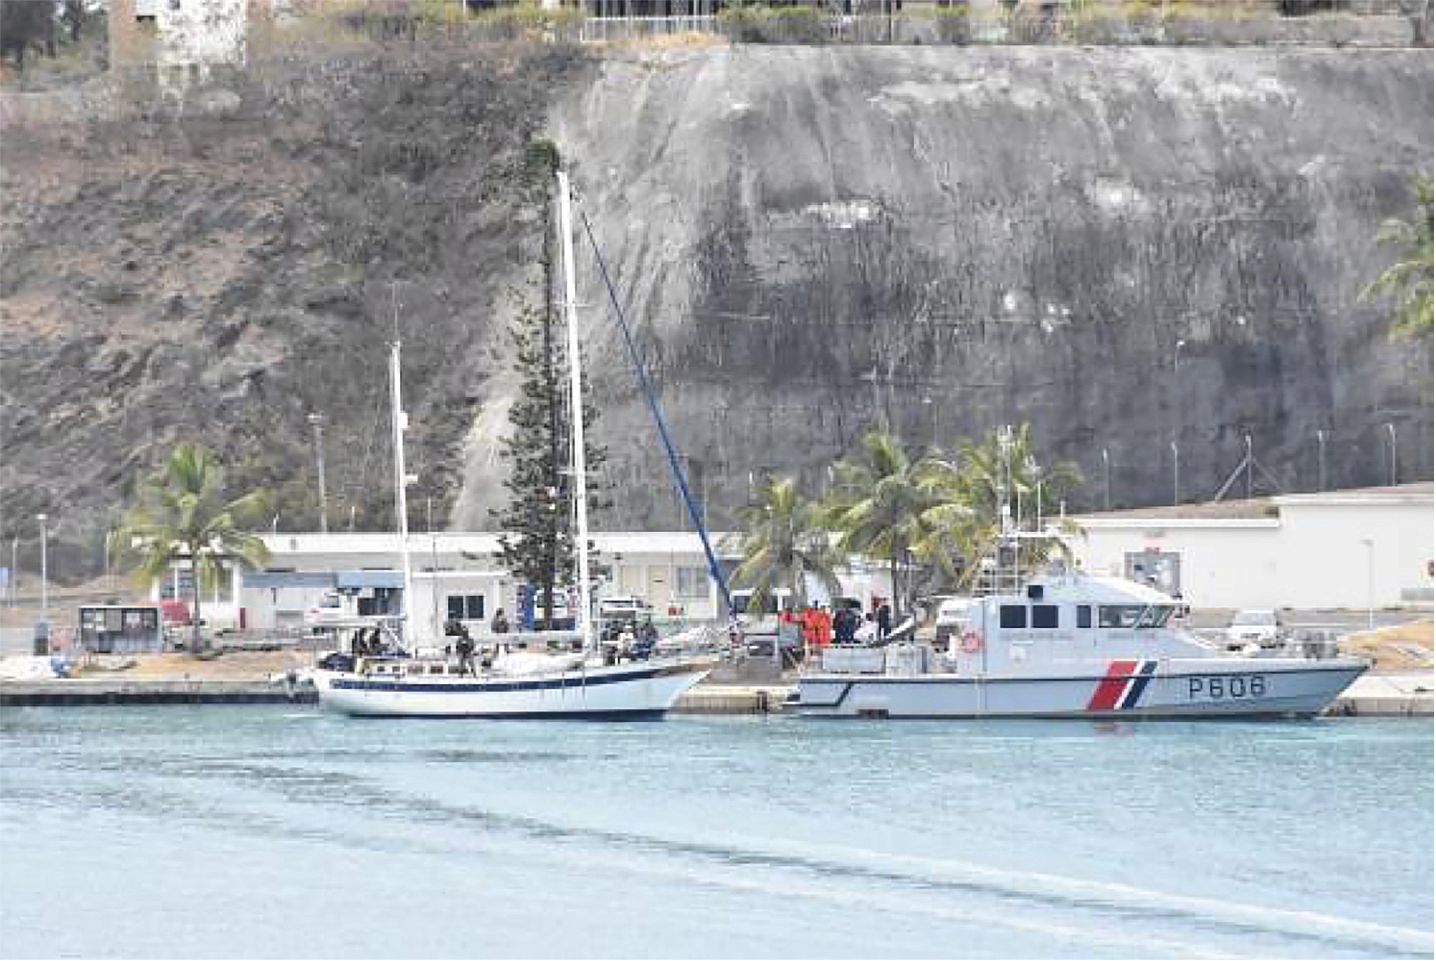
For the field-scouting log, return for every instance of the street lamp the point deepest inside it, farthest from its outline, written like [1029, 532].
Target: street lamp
[317, 421]
[1321, 460]
[44, 567]
[1176, 475]
[1107, 481]
[14, 572]
[1391, 432]
[1370, 583]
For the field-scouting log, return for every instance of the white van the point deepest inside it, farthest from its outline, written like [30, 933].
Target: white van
[953, 617]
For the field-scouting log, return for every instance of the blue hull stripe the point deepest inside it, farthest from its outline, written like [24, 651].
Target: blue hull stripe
[473, 687]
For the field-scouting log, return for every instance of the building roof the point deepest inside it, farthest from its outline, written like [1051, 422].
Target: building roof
[1268, 508]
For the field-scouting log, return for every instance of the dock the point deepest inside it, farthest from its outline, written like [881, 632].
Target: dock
[1386, 695]
[80, 692]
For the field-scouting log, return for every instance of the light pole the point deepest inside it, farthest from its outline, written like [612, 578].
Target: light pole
[1176, 474]
[44, 567]
[1370, 583]
[317, 422]
[1247, 437]
[1107, 481]
[352, 509]
[1391, 433]
[1176, 418]
[14, 572]
[1321, 460]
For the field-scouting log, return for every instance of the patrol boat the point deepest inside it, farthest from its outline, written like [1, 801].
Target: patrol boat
[391, 680]
[1070, 645]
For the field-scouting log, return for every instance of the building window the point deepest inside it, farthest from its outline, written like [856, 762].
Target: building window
[1013, 615]
[1044, 615]
[1084, 615]
[691, 581]
[466, 607]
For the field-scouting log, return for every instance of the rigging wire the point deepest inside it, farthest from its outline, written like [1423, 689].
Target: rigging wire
[714, 568]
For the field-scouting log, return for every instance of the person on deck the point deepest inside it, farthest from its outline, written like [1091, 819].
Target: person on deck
[500, 623]
[885, 621]
[825, 627]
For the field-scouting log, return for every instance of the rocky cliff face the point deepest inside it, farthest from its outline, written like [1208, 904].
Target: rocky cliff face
[1125, 247]
[1122, 246]
[217, 268]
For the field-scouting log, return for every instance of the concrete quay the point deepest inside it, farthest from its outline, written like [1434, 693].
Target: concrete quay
[1386, 695]
[79, 692]
[1374, 695]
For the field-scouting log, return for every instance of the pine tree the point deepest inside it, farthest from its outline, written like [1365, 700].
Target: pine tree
[536, 545]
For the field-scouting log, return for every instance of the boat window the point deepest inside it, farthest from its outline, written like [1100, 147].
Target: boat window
[1084, 615]
[1118, 615]
[1013, 615]
[414, 669]
[436, 668]
[1155, 616]
[1133, 615]
[1044, 615]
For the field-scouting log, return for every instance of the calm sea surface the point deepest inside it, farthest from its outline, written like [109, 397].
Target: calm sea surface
[269, 831]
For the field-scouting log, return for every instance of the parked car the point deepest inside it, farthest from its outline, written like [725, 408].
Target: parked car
[622, 609]
[329, 612]
[1256, 626]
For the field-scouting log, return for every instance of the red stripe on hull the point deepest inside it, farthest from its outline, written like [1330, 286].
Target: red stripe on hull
[1109, 689]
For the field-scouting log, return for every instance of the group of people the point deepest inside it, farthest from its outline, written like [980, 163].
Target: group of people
[629, 639]
[820, 626]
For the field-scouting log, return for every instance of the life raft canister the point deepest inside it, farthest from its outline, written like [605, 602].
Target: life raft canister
[971, 642]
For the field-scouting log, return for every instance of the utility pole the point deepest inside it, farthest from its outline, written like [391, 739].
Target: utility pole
[14, 572]
[317, 421]
[1321, 460]
[44, 567]
[1107, 481]
[1176, 474]
[1248, 438]
[1391, 432]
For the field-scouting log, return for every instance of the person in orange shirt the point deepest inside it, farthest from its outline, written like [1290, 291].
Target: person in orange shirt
[825, 627]
[810, 621]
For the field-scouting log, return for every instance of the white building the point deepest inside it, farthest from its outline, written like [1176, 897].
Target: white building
[1339, 549]
[456, 575]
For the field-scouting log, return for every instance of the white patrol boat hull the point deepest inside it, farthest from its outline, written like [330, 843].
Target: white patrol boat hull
[1227, 687]
[645, 689]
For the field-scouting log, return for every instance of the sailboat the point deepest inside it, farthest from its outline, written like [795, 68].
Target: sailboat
[399, 682]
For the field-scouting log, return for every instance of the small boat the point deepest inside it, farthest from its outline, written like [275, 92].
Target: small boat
[398, 679]
[1070, 645]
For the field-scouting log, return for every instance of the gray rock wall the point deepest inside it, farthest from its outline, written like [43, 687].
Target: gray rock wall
[1123, 246]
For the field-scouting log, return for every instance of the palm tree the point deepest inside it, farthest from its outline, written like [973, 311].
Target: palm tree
[1408, 281]
[183, 515]
[1000, 472]
[877, 502]
[783, 544]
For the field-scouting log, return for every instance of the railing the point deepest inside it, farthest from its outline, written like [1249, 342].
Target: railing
[609, 29]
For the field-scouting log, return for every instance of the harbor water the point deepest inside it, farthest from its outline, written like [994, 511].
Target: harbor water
[275, 831]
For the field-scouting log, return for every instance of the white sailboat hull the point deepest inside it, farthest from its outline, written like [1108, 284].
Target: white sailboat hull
[646, 689]
[1206, 687]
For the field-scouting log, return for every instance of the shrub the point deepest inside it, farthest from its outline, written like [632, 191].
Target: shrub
[765, 24]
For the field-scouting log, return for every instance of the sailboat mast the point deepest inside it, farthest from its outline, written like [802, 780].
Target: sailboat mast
[401, 501]
[579, 458]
